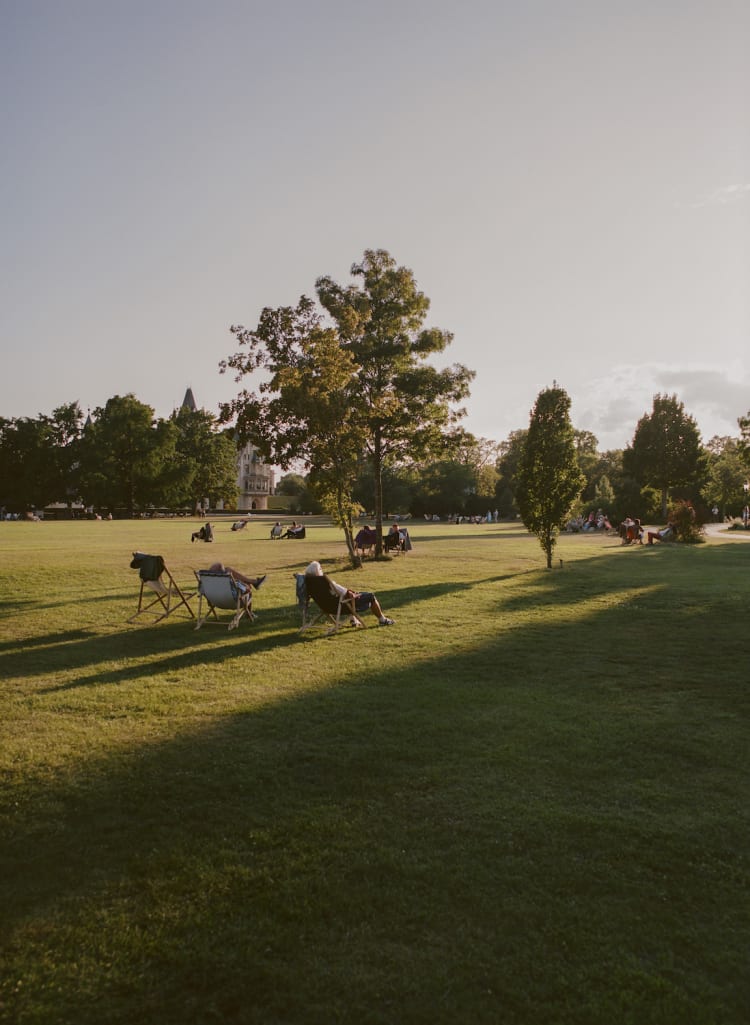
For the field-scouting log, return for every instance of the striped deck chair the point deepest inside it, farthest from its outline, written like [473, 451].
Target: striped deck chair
[222, 591]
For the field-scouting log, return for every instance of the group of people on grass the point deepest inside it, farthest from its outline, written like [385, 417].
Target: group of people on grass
[355, 602]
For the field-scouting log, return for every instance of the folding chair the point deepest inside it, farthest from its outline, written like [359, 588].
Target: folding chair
[364, 542]
[401, 542]
[222, 591]
[330, 604]
[168, 597]
[276, 531]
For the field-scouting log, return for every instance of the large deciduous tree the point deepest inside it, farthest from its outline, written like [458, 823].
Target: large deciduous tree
[304, 409]
[744, 445]
[548, 479]
[126, 456]
[38, 458]
[666, 451]
[726, 476]
[205, 464]
[509, 455]
[404, 403]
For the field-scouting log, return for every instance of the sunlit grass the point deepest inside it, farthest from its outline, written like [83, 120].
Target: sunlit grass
[525, 802]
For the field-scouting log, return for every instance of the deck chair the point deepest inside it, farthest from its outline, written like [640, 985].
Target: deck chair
[400, 542]
[364, 542]
[222, 591]
[330, 604]
[276, 531]
[158, 584]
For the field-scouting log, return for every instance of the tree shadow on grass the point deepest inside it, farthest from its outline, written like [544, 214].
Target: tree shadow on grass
[469, 840]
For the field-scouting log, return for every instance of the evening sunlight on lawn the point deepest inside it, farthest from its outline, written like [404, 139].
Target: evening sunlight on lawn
[526, 802]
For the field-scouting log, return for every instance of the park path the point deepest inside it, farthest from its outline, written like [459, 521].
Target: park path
[720, 530]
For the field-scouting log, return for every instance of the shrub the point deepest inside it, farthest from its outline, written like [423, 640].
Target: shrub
[689, 529]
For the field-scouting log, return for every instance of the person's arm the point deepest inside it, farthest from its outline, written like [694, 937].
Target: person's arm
[338, 588]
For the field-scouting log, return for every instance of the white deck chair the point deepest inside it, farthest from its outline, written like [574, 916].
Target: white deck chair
[222, 591]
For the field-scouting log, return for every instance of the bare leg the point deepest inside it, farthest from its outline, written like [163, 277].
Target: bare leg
[219, 567]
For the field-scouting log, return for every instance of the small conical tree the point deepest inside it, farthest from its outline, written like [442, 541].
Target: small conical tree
[548, 479]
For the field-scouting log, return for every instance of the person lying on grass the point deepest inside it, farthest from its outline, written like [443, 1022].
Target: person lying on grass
[363, 600]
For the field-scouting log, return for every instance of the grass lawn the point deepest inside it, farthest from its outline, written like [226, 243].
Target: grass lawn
[526, 802]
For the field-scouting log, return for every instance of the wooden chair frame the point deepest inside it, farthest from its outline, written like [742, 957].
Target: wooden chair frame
[167, 598]
[330, 604]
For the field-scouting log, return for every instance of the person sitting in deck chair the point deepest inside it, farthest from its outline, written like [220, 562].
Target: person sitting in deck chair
[239, 578]
[362, 600]
[206, 533]
[365, 540]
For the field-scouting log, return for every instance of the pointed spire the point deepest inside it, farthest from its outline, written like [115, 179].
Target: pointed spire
[189, 401]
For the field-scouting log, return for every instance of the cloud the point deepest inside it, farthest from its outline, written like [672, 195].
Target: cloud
[723, 195]
[611, 405]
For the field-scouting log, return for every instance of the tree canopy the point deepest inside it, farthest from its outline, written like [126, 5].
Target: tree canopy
[304, 408]
[548, 479]
[404, 403]
[666, 450]
[366, 367]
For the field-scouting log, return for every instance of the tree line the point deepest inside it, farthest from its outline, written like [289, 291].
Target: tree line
[346, 390]
[121, 459]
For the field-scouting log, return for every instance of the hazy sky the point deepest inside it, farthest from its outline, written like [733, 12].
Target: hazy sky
[569, 182]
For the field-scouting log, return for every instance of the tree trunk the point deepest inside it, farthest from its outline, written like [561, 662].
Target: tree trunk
[664, 501]
[377, 470]
[348, 528]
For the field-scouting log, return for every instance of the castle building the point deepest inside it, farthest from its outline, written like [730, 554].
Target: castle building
[255, 478]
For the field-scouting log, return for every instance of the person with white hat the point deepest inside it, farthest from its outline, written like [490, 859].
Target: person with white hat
[363, 600]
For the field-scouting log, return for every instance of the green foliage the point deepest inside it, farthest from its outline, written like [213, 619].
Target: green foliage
[509, 457]
[405, 404]
[604, 495]
[548, 480]
[205, 462]
[291, 484]
[744, 445]
[688, 528]
[666, 450]
[39, 458]
[445, 487]
[127, 456]
[304, 410]
[726, 478]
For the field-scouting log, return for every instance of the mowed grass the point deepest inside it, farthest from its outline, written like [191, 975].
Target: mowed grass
[527, 802]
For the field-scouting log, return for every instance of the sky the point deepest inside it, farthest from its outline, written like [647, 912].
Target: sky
[568, 180]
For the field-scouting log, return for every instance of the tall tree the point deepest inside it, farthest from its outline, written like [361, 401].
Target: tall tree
[304, 409]
[666, 450]
[38, 457]
[744, 447]
[205, 464]
[548, 480]
[726, 476]
[404, 403]
[509, 452]
[126, 456]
